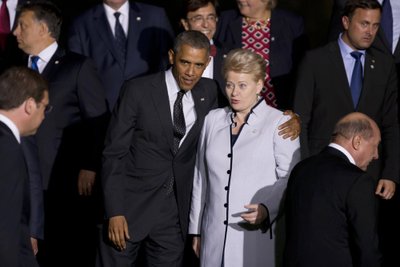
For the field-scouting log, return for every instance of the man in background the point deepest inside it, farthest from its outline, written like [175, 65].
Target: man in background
[126, 39]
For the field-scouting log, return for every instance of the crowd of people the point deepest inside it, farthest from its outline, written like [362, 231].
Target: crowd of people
[230, 143]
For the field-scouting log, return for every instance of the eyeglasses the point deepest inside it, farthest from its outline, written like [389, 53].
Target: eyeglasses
[47, 108]
[200, 19]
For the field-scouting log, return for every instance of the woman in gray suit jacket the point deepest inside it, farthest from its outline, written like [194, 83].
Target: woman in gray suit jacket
[241, 172]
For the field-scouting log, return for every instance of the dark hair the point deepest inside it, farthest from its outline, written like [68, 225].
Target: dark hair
[18, 84]
[193, 5]
[46, 12]
[194, 39]
[351, 6]
[353, 127]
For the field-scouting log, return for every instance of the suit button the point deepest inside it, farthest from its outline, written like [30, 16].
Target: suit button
[226, 188]
[228, 171]
[225, 222]
[229, 155]
[226, 205]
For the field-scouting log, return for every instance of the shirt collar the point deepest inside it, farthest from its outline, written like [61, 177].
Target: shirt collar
[345, 49]
[344, 151]
[46, 54]
[10, 124]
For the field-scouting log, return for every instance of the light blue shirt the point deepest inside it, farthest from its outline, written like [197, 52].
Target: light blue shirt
[348, 60]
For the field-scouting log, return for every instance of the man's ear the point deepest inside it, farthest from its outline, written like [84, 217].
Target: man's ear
[356, 142]
[185, 24]
[29, 105]
[171, 56]
[345, 22]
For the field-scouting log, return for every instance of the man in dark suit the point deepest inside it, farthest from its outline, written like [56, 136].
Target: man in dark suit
[69, 143]
[10, 55]
[23, 102]
[331, 208]
[147, 179]
[201, 15]
[147, 36]
[323, 92]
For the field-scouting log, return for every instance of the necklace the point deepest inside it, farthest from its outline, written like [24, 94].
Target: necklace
[257, 24]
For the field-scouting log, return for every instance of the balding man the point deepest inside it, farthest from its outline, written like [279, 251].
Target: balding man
[331, 206]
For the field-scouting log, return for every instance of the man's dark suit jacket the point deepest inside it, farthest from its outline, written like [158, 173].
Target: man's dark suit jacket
[331, 214]
[70, 138]
[288, 44]
[138, 158]
[149, 38]
[323, 97]
[14, 203]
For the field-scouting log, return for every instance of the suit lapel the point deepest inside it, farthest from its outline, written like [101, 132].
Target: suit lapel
[104, 30]
[133, 29]
[368, 83]
[233, 27]
[161, 104]
[200, 100]
[53, 64]
[338, 65]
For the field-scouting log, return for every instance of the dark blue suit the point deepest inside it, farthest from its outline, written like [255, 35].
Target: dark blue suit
[288, 44]
[148, 40]
[69, 139]
[15, 247]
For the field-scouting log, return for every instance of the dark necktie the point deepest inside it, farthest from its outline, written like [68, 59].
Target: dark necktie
[34, 61]
[179, 132]
[387, 22]
[120, 38]
[179, 120]
[4, 24]
[356, 78]
[213, 50]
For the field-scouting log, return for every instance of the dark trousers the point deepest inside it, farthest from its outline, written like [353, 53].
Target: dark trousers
[163, 246]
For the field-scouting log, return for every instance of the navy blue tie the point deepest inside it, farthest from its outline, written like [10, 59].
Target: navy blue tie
[120, 37]
[34, 61]
[387, 22]
[356, 78]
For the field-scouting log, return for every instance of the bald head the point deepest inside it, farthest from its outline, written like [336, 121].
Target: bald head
[360, 136]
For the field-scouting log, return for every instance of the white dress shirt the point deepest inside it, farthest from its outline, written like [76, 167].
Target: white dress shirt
[10, 124]
[44, 56]
[123, 18]
[189, 112]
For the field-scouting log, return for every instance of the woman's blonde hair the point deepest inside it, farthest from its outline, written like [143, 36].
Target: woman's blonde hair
[245, 61]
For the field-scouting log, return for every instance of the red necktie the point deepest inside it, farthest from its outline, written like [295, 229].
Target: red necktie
[213, 50]
[4, 24]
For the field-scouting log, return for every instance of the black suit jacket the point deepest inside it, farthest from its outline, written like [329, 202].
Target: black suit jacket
[139, 158]
[14, 202]
[149, 38]
[323, 97]
[331, 214]
[71, 136]
[288, 44]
